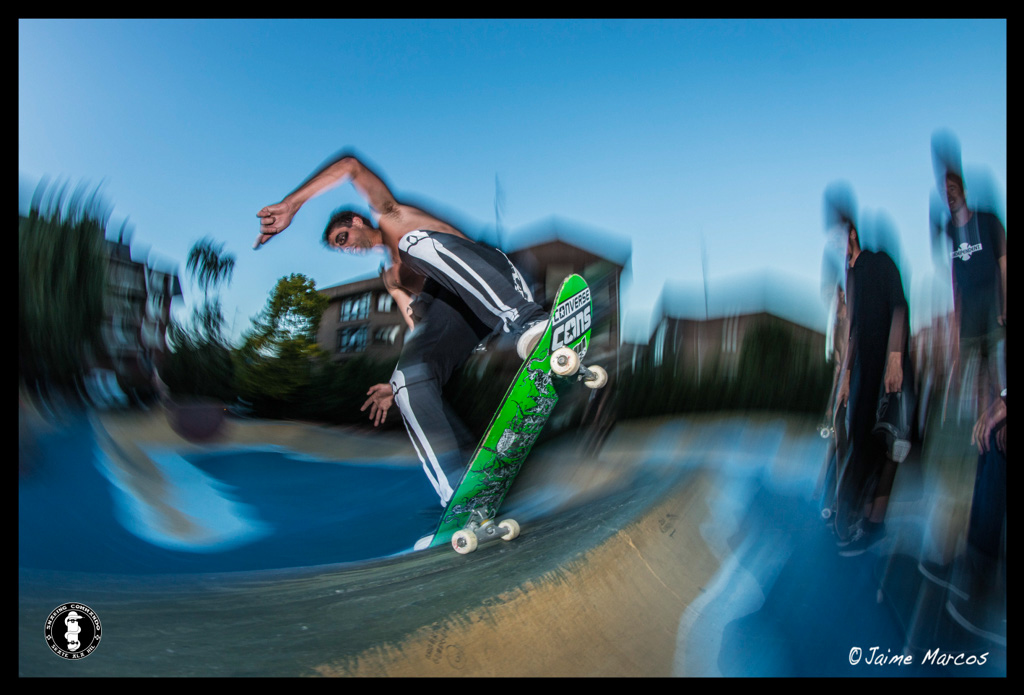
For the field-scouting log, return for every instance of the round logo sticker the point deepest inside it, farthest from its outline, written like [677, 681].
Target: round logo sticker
[73, 631]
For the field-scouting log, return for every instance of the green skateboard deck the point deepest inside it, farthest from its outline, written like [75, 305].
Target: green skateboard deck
[518, 422]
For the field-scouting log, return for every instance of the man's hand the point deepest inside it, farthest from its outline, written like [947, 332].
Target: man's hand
[380, 400]
[843, 395]
[989, 420]
[273, 220]
[894, 373]
[390, 277]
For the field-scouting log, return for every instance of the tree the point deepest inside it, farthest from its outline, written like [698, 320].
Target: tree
[62, 281]
[200, 362]
[210, 268]
[279, 355]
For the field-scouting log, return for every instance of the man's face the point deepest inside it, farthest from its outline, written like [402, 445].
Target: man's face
[354, 239]
[954, 195]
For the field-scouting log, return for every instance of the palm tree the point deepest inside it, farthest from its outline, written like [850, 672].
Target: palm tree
[210, 267]
[208, 264]
[200, 363]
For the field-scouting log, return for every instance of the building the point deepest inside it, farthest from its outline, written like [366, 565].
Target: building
[137, 310]
[361, 319]
[696, 331]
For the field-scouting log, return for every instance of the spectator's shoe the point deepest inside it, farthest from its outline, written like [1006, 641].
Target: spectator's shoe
[979, 619]
[855, 531]
[863, 539]
[531, 335]
[855, 537]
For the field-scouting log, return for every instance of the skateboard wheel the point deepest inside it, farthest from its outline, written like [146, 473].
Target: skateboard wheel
[464, 542]
[511, 529]
[565, 361]
[599, 379]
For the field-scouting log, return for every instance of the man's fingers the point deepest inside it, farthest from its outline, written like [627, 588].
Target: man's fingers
[267, 231]
[979, 437]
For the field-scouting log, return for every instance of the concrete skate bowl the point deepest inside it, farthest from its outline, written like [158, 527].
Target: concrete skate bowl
[610, 556]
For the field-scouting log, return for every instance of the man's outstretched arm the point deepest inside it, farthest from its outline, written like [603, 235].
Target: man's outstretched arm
[345, 167]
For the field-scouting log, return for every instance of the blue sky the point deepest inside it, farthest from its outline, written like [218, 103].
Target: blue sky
[672, 134]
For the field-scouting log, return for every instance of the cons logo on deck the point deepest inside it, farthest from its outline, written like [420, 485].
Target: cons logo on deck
[571, 319]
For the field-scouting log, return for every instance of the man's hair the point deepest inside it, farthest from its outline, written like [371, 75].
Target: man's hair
[342, 218]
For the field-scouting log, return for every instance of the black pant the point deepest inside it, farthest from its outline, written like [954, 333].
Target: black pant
[471, 292]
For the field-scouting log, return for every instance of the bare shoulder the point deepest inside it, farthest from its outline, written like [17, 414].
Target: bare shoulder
[400, 219]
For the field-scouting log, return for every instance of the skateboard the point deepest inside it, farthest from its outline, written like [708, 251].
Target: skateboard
[836, 459]
[470, 517]
[840, 506]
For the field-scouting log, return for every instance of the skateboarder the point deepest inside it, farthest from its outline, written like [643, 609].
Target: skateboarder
[454, 291]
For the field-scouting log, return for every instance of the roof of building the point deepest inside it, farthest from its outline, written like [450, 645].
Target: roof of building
[360, 283]
[599, 242]
[768, 291]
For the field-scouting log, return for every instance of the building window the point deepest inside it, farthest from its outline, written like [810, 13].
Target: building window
[385, 302]
[659, 343]
[355, 308]
[387, 335]
[730, 333]
[352, 339]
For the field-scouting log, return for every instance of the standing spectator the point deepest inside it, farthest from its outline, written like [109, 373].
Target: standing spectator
[876, 358]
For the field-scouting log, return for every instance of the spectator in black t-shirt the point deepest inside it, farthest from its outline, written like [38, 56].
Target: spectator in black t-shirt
[978, 265]
[876, 354]
[978, 260]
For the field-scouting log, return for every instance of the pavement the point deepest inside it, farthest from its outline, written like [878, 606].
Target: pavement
[683, 547]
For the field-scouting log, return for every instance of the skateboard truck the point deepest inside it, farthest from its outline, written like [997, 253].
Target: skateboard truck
[565, 362]
[480, 530]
